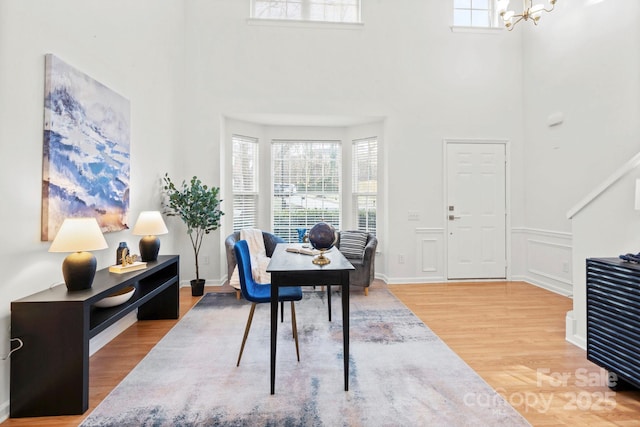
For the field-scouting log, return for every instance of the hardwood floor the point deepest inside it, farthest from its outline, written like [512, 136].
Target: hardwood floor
[511, 333]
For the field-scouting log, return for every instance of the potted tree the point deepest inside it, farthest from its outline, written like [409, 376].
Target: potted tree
[198, 206]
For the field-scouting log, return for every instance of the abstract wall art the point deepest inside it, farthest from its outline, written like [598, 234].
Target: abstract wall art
[86, 150]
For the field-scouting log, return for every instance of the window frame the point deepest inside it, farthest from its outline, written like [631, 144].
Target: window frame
[494, 21]
[305, 13]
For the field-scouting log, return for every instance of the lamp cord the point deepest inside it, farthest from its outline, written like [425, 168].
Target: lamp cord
[20, 345]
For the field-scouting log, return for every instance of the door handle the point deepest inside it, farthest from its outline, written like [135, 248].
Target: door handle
[452, 217]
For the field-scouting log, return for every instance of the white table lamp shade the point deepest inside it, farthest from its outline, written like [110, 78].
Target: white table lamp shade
[149, 223]
[78, 235]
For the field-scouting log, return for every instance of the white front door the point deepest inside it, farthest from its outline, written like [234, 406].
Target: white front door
[476, 210]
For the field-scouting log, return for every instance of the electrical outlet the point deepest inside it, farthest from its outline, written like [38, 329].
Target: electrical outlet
[565, 267]
[205, 260]
[401, 259]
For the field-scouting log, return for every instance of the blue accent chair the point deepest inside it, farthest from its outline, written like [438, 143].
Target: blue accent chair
[258, 293]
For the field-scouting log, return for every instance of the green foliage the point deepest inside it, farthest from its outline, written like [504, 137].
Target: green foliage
[197, 205]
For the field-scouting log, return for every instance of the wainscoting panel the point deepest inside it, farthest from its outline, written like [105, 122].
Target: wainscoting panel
[540, 257]
[430, 254]
[544, 259]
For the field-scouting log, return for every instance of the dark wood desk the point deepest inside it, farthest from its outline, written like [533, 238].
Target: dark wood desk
[291, 269]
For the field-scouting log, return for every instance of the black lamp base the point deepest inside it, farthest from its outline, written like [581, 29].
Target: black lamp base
[78, 270]
[149, 247]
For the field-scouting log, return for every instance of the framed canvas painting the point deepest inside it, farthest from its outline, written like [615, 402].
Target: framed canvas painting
[86, 150]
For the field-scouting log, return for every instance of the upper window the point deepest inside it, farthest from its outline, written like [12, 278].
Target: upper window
[245, 181]
[474, 13]
[307, 10]
[306, 185]
[365, 183]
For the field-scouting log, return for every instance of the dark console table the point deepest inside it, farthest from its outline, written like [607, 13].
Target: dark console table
[50, 374]
[613, 317]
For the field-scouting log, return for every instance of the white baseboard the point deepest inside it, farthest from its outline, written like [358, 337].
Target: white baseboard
[187, 283]
[4, 411]
[570, 332]
[414, 280]
[549, 286]
[103, 338]
[438, 279]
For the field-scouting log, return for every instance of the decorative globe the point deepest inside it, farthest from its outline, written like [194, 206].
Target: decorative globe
[322, 236]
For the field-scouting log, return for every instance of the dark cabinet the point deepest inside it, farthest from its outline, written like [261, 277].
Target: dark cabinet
[50, 374]
[613, 317]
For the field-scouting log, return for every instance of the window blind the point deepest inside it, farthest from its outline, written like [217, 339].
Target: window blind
[245, 181]
[306, 185]
[365, 183]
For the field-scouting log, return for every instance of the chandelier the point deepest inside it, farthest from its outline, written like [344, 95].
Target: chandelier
[530, 11]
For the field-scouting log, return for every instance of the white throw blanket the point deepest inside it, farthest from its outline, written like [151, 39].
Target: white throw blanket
[259, 259]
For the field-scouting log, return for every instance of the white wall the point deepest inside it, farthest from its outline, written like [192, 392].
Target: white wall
[583, 61]
[134, 48]
[404, 65]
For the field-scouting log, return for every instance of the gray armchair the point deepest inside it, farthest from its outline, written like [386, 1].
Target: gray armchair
[270, 242]
[365, 270]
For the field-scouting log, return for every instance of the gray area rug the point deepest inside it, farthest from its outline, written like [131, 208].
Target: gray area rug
[401, 373]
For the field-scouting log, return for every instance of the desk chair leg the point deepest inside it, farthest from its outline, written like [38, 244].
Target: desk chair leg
[294, 326]
[329, 300]
[246, 331]
[238, 294]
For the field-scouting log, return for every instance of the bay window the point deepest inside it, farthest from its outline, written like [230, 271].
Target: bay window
[306, 185]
